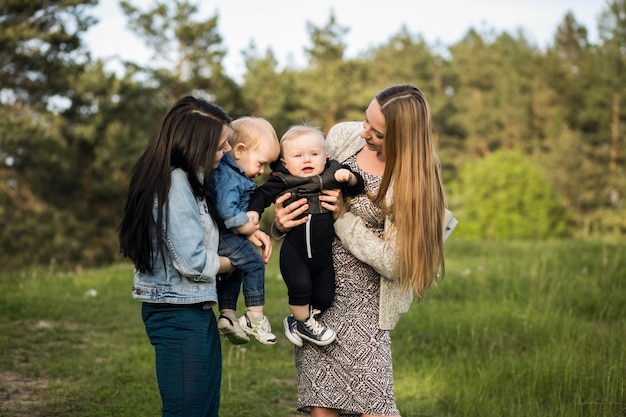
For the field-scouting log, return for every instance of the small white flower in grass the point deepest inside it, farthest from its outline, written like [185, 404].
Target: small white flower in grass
[466, 272]
[91, 293]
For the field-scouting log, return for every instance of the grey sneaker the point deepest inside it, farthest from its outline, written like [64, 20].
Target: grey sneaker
[262, 331]
[289, 323]
[313, 331]
[231, 331]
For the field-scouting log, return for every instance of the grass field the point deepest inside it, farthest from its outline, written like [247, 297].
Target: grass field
[531, 329]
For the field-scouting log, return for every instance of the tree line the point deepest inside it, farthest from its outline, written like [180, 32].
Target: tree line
[530, 139]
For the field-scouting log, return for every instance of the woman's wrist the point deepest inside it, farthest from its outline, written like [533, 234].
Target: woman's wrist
[276, 232]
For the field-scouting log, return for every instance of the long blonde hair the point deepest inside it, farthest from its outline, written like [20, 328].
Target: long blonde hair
[413, 172]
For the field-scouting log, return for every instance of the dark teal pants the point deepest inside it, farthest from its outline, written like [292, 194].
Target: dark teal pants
[188, 358]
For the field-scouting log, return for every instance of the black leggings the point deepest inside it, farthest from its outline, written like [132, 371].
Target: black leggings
[309, 281]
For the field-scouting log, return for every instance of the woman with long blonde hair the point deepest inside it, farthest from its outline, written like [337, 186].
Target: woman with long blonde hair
[389, 246]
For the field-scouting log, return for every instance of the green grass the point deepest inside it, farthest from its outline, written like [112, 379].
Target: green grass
[531, 329]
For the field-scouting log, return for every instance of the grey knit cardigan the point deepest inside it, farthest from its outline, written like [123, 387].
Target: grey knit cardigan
[343, 141]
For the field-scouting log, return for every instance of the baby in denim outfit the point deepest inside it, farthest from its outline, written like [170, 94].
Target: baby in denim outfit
[254, 146]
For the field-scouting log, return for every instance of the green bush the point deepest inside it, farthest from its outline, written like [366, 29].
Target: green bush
[504, 196]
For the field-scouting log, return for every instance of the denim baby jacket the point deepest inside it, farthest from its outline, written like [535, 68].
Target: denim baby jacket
[231, 191]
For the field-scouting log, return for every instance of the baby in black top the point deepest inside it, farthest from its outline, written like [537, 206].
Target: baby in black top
[304, 169]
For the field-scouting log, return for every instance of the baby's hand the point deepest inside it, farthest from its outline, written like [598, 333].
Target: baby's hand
[253, 216]
[247, 228]
[344, 175]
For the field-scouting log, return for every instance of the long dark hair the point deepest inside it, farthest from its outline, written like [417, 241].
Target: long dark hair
[187, 139]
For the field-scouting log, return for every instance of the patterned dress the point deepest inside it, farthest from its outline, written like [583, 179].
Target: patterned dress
[354, 373]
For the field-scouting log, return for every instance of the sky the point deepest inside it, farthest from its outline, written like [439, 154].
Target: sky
[281, 24]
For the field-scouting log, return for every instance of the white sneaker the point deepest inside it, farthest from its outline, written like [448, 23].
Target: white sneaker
[231, 331]
[262, 330]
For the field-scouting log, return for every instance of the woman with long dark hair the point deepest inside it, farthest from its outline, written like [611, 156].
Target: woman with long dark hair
[170, 230]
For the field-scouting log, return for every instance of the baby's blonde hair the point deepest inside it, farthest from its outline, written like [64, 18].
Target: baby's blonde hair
[254, 132]
[296, 131]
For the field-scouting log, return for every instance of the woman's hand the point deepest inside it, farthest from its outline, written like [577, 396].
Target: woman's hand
[260, 239]
[333, 201]
[285, 217]
[225, 266]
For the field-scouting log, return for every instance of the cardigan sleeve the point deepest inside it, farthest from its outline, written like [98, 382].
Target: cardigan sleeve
[360, 241]
[344, 140]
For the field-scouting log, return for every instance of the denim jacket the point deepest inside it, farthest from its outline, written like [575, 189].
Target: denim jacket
[190, 239]
[235, 190]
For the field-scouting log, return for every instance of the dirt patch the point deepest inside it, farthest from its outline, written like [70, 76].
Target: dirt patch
[19, 396]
